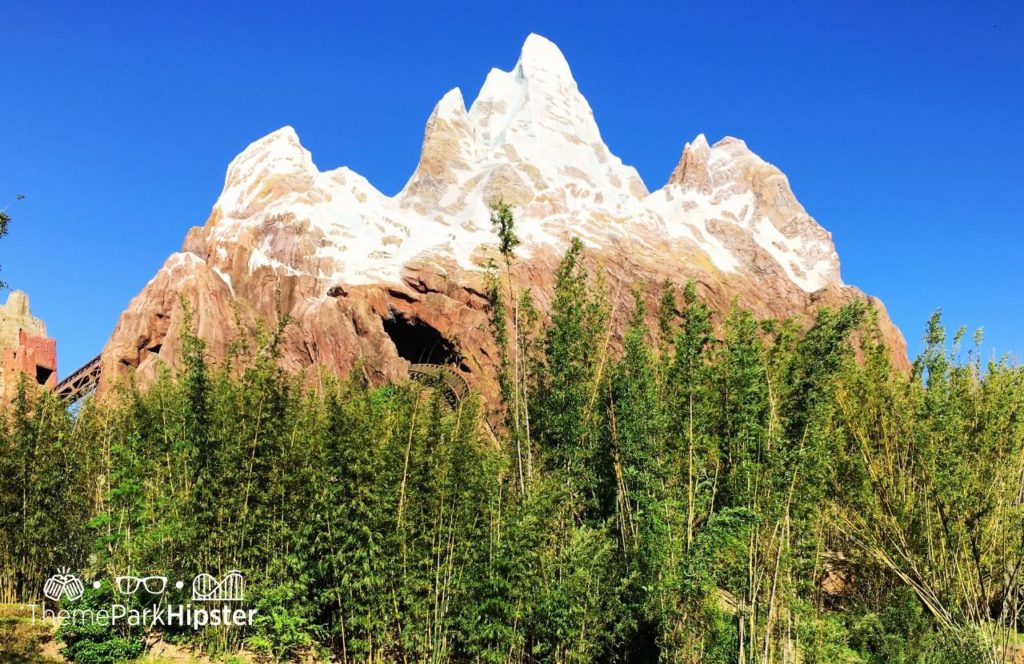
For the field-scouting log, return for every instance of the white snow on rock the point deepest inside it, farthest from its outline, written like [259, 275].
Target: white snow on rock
[529, 137]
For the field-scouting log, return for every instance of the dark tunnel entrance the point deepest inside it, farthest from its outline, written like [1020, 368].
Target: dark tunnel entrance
[43, 374]
[420, 343]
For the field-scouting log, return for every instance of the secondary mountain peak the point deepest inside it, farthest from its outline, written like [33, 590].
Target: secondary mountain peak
[265, 171]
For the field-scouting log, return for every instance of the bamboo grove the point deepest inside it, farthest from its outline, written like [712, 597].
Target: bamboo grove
[743, 491]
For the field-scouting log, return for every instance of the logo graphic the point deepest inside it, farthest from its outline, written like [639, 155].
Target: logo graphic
[63, 585]
[129, 585]
[231, 588]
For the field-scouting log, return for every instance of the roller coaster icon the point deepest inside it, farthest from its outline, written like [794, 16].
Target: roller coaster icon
[206, 588]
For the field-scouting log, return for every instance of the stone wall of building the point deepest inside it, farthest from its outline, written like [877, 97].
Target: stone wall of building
[24, 347]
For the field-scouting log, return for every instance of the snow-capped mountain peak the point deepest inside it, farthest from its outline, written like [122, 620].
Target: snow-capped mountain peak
[338, 255]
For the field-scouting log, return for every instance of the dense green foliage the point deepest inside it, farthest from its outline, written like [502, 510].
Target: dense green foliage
[88, 642]
[684, 492]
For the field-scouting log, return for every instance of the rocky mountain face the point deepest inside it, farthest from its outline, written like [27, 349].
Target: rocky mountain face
[378, 282]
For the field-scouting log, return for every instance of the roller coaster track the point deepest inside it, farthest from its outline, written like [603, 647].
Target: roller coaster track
[81, 382]
[84, 380]
[455, 386]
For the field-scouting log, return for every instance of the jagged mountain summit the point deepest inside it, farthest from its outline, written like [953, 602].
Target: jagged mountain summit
[383, 281]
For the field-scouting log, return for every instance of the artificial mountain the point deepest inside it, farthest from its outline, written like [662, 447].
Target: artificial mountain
[376, 281]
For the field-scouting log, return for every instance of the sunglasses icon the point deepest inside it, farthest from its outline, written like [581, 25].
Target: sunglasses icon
[129, 585]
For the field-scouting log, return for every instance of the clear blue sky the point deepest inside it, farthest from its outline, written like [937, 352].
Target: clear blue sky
[899, 125]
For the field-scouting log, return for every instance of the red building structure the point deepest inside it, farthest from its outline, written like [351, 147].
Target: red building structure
[24, 347]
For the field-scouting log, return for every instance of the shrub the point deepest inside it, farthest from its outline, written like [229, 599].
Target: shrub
[89, 642]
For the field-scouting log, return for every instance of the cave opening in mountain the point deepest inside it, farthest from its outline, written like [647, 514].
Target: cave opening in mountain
[419, 342]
